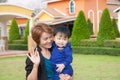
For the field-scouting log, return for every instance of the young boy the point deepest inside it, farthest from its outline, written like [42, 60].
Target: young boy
[62, 52]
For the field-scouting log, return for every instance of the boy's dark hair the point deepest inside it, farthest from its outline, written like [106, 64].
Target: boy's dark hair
[62, 29]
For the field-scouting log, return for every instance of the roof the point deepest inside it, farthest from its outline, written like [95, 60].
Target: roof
[52, 12]
[111, 10]
[50, 1]
[59, 21]
[116, 10]
[113, 5]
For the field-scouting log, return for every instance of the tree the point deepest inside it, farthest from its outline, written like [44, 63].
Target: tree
[90, 26]
[14, 31]
[106, 30]
[80, 29]
[114, 24]
[2, 1]
[26, 32]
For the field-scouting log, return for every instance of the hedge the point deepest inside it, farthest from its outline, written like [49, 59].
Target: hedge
[96, 50]
[106, 43]
[17, 47]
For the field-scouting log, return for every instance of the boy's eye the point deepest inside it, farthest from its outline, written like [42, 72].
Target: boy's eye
[64, 38]
[59, 38]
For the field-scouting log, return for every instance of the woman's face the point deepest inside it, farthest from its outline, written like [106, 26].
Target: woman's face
[46, 40]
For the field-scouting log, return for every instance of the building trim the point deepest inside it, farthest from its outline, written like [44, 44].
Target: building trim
[93, 18]
[60, 21]
[14, 14]
[10, 4]
[45, 11]
[41, 12]
[117, 10]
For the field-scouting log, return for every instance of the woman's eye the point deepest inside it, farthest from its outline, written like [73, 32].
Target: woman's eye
[45, 39]
[50, 37]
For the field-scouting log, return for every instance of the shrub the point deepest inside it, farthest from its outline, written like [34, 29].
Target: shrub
[88, 43]
[80, 29]
[26, 33]
[14, 31]
[112, 43]
[90, 26]
[106, 30]
[97, 50]
[117, 34]
[17, 46]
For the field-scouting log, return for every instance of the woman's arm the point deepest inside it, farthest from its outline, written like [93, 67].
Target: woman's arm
[35, 58]
[33, 74]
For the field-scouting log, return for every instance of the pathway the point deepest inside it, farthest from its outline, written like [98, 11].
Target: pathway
[13, 53]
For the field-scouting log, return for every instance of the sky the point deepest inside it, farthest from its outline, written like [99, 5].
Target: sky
[32, 4]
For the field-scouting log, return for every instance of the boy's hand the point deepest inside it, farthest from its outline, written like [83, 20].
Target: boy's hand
[60, 67]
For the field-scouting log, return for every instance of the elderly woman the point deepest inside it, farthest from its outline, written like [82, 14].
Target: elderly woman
[38, 65]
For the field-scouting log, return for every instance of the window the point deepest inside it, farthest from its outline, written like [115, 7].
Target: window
[72, 6]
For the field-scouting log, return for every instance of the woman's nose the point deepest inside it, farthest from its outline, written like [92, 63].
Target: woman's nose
[50, 40]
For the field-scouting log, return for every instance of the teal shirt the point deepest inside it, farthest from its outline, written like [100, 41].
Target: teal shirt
[49, 68]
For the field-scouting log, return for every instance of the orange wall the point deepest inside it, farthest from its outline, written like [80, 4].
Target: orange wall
[84, 5]
[64, 6]
[80, 5]
[97, 9]
[21, 20]
[60, 5]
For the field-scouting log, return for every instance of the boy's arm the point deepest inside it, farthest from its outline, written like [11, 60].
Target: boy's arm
[68, 59]
[68, 55]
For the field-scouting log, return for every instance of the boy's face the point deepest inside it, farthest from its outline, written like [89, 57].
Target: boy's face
[61, 39]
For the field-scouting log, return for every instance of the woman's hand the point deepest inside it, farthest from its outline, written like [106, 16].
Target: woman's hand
[34, 56]
[65, 77]
[60, 67]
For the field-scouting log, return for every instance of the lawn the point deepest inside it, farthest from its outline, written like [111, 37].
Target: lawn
[86, 67]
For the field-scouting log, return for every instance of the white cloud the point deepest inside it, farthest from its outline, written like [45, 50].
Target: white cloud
[32, 4]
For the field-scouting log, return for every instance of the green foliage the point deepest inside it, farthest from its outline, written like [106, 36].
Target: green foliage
[14, 31]
[114, 24]
[90, 26]
[17, 47]
[106, 44]
[97, 50]
[3, 1]
[26, 33]
[80, 29]
[106, 30]
[112, 43]
[88, 43]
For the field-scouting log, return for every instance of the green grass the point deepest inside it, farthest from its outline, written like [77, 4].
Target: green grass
[96, 67]
[12, 68]
[86, 67]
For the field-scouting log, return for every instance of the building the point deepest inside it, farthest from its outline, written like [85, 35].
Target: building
[67, 11]
[55, 15]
